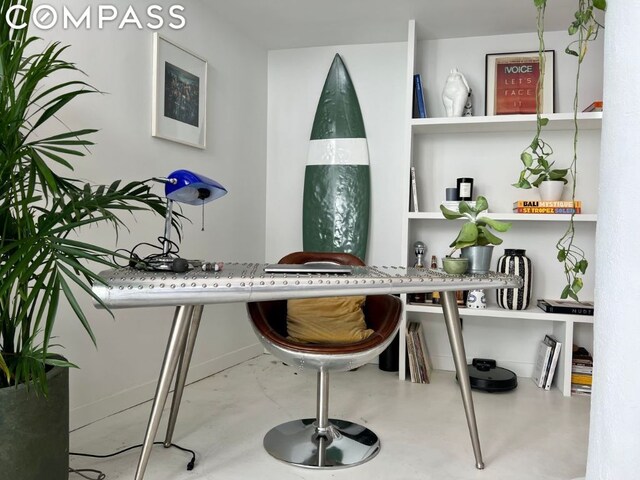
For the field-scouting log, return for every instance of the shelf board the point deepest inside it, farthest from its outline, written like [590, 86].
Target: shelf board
[532, 313]
[511, 217]
[504, 123]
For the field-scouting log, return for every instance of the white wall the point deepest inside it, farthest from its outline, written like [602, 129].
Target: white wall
[123, 370]
[615, 416]
[296, 77]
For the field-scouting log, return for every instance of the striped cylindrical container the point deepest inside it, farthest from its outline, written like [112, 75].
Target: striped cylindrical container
[514, 262]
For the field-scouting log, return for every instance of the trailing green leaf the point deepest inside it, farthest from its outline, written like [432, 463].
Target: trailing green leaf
[562, 255]
[535, 158]
[586, 28]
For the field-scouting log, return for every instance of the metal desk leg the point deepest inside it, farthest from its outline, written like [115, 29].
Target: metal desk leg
[452, 319]
[183, 369]
[178, 330]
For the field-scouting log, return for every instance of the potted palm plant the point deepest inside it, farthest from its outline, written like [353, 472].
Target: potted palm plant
[475, 240]
[43, 260]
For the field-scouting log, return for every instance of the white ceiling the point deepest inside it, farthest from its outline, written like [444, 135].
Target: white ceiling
[278, 24]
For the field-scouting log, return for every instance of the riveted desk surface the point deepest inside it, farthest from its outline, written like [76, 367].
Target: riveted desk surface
[248, 282]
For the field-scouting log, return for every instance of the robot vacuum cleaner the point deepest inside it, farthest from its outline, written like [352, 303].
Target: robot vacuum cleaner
[486, 376]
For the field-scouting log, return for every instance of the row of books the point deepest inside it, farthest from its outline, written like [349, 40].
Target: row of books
[546, 207]
[581, 371]
[420, 366]
[546, 362]
[566, 306]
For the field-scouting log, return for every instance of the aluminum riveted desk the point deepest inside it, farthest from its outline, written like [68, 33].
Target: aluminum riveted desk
[247, 282]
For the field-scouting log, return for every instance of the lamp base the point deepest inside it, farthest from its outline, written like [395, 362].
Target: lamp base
[162, 263]
[177, 265]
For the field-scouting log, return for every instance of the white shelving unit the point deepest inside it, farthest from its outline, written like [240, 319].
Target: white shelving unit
[531, 313]
[488, 149]
[512, 217]
[504, 123]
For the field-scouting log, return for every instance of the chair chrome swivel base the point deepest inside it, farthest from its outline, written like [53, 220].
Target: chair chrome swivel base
[342, 444]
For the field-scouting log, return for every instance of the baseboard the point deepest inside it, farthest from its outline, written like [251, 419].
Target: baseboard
[86, 414]
[444, 362]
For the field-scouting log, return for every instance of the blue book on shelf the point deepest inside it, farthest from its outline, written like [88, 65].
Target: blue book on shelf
[418, 97]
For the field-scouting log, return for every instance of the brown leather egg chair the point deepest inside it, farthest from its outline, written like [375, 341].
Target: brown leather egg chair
[324, 442]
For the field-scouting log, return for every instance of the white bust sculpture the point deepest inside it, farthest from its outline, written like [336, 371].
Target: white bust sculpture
[455, 93]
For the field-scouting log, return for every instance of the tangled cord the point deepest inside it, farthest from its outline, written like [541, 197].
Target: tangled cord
[142, 263]
[102, 476]
[82, 472]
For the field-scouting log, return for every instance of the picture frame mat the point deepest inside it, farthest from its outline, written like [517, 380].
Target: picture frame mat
[168, 128]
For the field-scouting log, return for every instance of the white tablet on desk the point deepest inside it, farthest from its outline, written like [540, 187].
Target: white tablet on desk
[311, 267]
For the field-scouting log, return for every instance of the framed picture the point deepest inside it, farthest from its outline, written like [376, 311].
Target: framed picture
[511, 80]
[179, 94]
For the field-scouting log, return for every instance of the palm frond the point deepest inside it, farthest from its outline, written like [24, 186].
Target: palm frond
[42, 261]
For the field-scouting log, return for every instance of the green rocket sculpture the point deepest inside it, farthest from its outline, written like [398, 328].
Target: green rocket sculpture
[337, 183]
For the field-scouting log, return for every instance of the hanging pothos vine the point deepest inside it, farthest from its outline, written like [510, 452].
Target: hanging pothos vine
[535, 156]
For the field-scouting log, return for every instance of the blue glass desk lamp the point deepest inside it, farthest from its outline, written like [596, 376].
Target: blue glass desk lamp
[184, 186]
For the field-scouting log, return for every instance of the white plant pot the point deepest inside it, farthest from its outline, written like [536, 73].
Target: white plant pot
[551, 190]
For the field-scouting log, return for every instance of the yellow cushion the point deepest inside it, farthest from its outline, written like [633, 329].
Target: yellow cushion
[327, 320]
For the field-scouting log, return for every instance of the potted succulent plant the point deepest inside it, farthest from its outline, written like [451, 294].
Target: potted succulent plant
[44, 261]
[475, 240]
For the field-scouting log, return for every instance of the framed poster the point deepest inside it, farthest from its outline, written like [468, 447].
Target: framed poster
[179, 94]
[511, 80]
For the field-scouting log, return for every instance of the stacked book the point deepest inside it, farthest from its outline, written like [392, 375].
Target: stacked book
[419, 363]
[581, 371]
[566, 306]
[594, 107]
[541, 206]
[546, 362]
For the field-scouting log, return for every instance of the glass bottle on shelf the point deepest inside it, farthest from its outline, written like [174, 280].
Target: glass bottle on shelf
[435, 296]
[419, 249]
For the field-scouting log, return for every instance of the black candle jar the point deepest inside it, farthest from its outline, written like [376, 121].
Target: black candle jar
[465, 188]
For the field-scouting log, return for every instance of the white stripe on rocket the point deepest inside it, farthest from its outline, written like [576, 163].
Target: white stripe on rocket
[338, 151]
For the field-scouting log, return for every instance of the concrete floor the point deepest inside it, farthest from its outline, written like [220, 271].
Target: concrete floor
[526, 434]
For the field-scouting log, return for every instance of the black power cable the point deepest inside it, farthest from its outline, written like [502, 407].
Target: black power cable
[102, 476]
[83, 473]
[144, 263]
